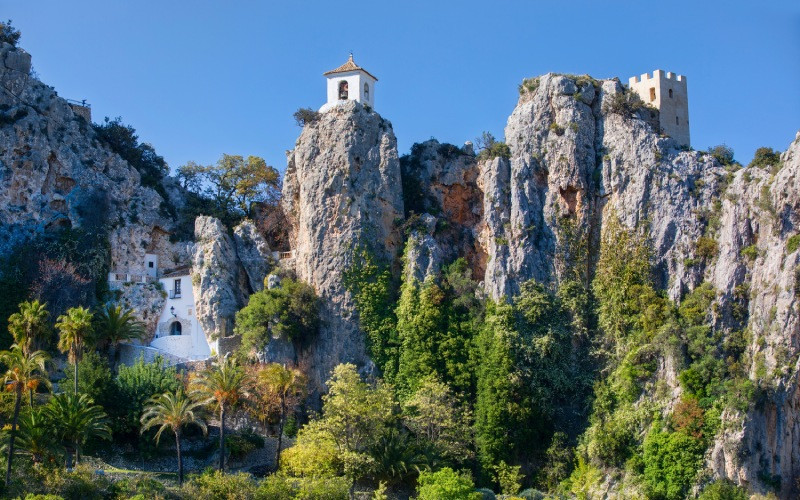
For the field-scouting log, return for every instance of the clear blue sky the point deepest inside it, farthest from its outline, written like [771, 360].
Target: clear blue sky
[198, 78]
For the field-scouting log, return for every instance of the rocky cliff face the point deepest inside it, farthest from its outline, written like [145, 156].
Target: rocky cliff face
[56, 175]
[341, 190]
[575, 161]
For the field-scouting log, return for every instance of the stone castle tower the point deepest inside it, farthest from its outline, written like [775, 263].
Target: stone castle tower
[667, 93]
[350, 82]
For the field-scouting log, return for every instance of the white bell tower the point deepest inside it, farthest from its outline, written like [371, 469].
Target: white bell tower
[349, 82]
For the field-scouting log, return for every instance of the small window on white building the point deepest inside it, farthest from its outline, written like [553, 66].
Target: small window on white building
[343, 90]
[150, 264]
[652, 94]
[176, 289]
[366, 91]
[175, 328]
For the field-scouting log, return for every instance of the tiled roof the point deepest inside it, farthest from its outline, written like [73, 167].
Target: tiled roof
[350, 65]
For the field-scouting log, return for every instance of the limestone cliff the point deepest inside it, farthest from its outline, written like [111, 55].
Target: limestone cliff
[575, 160]
[56, 175]
[341, 190]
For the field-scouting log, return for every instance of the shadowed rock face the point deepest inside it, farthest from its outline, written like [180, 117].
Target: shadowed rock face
[342, 189]
[55, 175]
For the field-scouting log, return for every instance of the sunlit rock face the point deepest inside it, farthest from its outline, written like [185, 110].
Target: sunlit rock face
[342, 190]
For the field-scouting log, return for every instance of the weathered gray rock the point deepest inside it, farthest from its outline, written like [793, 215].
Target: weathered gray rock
[55, 174]
[423, 255]
[342, 189]
[253, 252]
[574, 164]
[216, 279]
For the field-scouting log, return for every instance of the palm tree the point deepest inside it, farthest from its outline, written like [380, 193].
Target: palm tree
[29, 324]
[24, 371]
[222, 385]
[36, 435]
[115, 324]
[75, 328]
[75, 420]
[282, 387]
[172, 410]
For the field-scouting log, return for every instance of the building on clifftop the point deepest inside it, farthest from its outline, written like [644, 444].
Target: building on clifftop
[349, 82]
[667, 93]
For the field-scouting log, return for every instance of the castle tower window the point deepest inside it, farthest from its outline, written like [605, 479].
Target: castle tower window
[343, 90]
[366, 91]
[670, 93]
[175, 328]
[677, 121]
[652, 94]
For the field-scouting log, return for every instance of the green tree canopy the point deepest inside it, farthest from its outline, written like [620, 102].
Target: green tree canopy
[172, 411]
[232, 185]
[29, 325]
[289, 311]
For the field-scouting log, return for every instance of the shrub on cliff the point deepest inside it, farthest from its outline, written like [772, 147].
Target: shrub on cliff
[765, 157]
[722, 153]
[304, 116]
[289, 311]
[625, 103]
[8, 33]
[491, 148]
[122, 139]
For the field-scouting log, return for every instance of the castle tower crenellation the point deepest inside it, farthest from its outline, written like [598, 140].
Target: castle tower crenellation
[667, 92]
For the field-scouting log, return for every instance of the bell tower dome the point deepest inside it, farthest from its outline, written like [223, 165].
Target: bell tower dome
[349, 82]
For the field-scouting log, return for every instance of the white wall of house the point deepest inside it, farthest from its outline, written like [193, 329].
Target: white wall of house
[179, 309]
[356, 90]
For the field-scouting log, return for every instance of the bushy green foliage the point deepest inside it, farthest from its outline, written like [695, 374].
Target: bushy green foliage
[625, 103]
[229, 188]
[750, 252]
[94, 379]
[491, 148]
[436, 325]
[508, 477]
[446, 484]
[706, 248]
[765, 157]
[122, 139]
[671, 460]
[243, 443]
[374, 294]
[281, 487]
[496, 150]
[355, 417]
[501, 412]
[9, 34]
[723, 489]
[304, 116]
[213, 485]
[722, 153]
[289, 311]
[793, 243]
[439, 421]
[528, 85]
[134, 386]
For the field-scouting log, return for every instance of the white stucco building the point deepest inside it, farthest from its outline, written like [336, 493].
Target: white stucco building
[349, 82]
[178, 332]
[666, 92]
